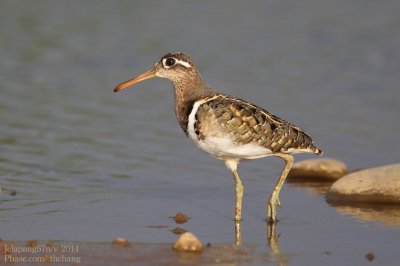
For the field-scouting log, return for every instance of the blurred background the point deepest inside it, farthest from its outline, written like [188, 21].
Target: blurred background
[90, 165]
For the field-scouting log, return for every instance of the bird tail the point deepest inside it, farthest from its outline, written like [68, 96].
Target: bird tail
[317, 150]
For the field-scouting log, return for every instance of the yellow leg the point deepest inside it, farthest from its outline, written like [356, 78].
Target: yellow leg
[273, 201]
[232, 165]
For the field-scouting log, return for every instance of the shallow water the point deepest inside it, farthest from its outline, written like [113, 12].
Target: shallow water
[90, 165]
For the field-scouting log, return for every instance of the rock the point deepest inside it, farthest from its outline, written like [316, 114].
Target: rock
[370, 256]
[31, 243]
[324, 169]
[188, 242]
[120, 241]
[180, 218]
[374, 185]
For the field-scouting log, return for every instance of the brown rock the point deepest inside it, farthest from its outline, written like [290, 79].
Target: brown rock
[325, 169]
[188, 242]
[370, 256]
[380, 184]
[120, 241]
[31, 243]
[180, 218]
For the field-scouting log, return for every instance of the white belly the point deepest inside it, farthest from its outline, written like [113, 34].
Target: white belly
[225, 148]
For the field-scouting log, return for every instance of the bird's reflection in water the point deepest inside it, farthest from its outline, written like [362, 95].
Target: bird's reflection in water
[238, 233]
[272, 241]
[272, 237]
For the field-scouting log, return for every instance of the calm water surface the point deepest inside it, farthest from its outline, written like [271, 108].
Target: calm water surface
[90, 165]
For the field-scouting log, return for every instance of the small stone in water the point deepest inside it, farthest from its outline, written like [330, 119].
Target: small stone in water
[188, 242]
[370, 256]
[31, 243]
[120, 241]
[180, 218]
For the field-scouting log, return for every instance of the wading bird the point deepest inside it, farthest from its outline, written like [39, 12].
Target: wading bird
[226, 127]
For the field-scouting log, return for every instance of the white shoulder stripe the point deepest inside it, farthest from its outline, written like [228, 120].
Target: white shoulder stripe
[192, 120]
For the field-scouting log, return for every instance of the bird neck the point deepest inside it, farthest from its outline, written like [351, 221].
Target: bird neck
[187, 92]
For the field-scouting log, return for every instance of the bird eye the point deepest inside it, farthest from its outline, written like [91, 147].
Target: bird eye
[170, 62]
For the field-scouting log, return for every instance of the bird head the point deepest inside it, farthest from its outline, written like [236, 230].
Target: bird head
[176, 67]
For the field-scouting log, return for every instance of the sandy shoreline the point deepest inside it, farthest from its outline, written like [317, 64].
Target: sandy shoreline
[90, 253]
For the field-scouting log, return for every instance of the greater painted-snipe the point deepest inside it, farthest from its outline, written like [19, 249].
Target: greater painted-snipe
[228, 128]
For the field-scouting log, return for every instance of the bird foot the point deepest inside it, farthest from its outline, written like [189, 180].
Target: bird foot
[273, 202]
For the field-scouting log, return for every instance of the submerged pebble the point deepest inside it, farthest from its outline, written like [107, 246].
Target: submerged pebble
[31, 243]
[370, 256]
[180, 218]
[379, 184]
[178, 230]
[325, 169]
[188, 242]
[120, 241]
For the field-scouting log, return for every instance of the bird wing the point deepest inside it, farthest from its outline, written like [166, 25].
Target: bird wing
[246, 123]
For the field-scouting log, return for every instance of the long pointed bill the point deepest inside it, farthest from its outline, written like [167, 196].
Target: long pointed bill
[151, 73]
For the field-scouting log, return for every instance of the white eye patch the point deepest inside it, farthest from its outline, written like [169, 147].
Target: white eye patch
[167, 63]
